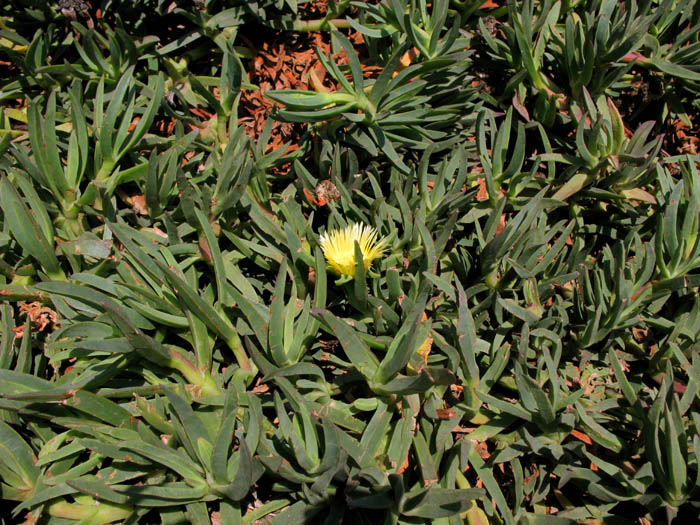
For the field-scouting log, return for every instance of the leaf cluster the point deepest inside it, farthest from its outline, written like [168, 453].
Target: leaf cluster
[174, 348]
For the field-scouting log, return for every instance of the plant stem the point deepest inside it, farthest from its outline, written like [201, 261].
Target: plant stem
[197, 377]
[105, 170]
[328, 22]
[240, 354]
[320, 24]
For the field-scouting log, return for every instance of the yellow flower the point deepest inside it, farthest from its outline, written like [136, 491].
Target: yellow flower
[339, 247]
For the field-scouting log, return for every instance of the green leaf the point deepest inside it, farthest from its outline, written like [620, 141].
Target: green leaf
[483, 471]
[672, 69]
[92, 486]
[411, 335]
[277, 312]
[222, 444]
[425, 461]
[353, 61]
[87, 245]
[42, 134]
[99, 408]
[622, 381]
[299, 512]
[374, 434]
[436, 502]
[406, 385]
[26, 230]
[168, 457]
[192, 428]
[18, 456]
[244, 479]
[165, 494]
[466, 338]
[356, 350]
[597, 432]
[215, 251]
[107, 127]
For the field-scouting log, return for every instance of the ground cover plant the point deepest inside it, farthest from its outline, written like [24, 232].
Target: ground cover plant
[349, 262]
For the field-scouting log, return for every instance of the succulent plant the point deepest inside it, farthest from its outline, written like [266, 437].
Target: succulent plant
[349, 262]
